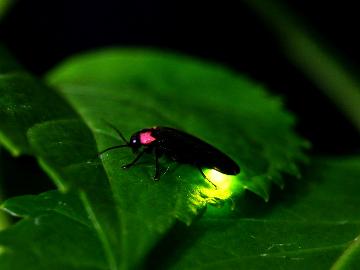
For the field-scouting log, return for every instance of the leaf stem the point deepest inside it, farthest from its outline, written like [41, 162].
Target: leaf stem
[313, 58]
[4, 6]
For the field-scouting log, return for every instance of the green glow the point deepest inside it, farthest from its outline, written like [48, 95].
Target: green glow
[227, 185]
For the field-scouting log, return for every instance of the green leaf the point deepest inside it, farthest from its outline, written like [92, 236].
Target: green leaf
[55, 233]
[133, 89]
[315, 224]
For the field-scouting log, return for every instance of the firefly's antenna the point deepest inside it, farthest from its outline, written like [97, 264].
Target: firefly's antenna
[116, 146]
[117, 132]
[111, 148]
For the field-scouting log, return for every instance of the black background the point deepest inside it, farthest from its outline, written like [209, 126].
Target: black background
[40, 33]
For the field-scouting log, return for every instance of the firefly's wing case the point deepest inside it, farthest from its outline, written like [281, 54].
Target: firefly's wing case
[186, 148]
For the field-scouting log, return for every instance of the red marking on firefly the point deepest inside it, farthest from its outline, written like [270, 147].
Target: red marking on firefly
[146, 137]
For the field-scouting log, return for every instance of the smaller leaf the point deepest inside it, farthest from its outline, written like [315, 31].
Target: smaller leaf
[52, 201]
[27, 104]
[22, 102]
[55, 233]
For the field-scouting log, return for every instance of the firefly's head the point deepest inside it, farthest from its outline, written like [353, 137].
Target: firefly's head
[141, 138]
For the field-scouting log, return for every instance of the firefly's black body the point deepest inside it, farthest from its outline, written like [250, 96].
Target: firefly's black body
[178, 146]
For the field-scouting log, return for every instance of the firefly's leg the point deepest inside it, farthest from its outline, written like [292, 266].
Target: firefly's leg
[203, 174]
[134, 161]
[157, 170]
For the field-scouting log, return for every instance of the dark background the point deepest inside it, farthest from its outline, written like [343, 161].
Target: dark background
[40, 33]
